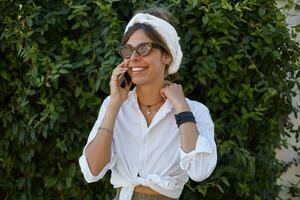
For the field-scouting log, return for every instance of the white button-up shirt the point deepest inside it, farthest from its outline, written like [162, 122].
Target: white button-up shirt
[152, 155]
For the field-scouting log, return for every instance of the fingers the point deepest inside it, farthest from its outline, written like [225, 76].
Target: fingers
[171, 89]
[125, 63]
[118, 71]
[162, 93]
[117, 75]
[169, 84]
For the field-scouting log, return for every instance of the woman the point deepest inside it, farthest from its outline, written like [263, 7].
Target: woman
[152, 138]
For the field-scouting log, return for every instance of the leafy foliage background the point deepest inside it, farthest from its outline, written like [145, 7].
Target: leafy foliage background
[56, 60]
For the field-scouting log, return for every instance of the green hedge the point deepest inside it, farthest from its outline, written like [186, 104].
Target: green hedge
[56, 60]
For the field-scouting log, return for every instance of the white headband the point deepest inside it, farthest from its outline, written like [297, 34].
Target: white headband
[168, 34]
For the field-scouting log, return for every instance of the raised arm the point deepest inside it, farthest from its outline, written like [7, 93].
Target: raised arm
[198, 150]
[97, 154]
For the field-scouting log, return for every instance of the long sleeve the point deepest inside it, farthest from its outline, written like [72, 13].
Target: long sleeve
[201, 162]
[85, 169]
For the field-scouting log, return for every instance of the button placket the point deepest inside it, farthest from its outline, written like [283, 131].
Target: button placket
[144, 153]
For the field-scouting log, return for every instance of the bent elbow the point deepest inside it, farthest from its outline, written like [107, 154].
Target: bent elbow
[203, 174]
[90, 174]
[200, 177]
[95, 171]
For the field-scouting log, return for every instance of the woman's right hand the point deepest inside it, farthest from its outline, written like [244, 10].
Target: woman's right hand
[118, 94]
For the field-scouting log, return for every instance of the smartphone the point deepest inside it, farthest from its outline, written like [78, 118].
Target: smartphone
[126, 80]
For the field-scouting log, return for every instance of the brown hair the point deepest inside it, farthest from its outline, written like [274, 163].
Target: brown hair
[149, 30]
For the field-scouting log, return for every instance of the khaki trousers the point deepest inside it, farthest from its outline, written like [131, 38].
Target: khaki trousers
[142, 196]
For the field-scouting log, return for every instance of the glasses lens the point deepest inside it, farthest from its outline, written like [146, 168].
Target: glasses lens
[125, 51]
[144, 49]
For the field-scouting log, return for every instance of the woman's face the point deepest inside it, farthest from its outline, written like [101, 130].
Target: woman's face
[147, 69]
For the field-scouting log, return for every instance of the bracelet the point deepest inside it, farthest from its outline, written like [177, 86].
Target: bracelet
[105, 129]
[184, 117]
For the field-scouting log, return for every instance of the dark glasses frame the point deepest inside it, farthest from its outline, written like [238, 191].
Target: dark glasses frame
[136, 49]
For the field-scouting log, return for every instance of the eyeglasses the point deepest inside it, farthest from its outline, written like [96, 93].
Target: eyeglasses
[142, 49]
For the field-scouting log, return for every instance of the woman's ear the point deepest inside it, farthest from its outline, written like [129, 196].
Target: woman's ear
[166, 59]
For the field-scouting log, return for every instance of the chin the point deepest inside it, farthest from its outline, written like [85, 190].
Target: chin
[139, 82]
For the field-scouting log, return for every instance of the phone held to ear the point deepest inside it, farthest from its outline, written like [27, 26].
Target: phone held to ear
[126, 80]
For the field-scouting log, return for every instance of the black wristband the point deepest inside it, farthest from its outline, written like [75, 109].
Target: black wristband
[184, 117]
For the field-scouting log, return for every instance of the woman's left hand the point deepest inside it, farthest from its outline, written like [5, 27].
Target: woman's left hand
[174, 93]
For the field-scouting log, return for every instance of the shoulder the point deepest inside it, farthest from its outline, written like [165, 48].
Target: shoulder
[197, 107]
[129, 100]
[105, 101]
[200, 111]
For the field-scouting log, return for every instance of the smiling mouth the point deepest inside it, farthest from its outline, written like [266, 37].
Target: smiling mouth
[137, 69]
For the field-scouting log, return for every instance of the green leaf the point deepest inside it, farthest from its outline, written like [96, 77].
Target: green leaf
[220, 188]
[261, 11]
[78, 91]
[225, 181]
[28, 34]
[76, 26]
[68, 182]
[205, 20]
[252, 66]
[21, 182]
[50, 182]
[63, 71]
[72, 170]
[5, 75]
[202, 190]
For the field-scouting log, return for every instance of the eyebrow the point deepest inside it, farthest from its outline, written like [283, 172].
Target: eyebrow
[137, 44]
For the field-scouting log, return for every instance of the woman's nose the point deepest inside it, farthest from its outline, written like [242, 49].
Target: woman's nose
[134, 55]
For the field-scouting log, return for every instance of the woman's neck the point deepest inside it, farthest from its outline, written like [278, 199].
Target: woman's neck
[149, 94]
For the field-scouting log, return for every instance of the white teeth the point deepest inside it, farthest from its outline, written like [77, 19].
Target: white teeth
[137, 69]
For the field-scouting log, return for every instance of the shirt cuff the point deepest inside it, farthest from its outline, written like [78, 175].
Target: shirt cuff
[202, 146]
[85, 169]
